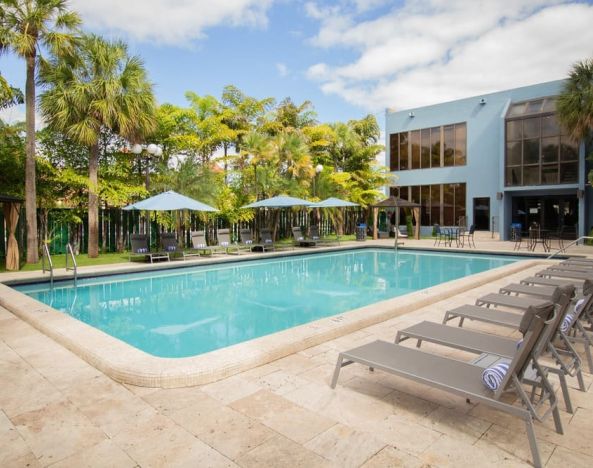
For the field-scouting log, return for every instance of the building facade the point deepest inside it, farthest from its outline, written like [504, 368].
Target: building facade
[491, 160]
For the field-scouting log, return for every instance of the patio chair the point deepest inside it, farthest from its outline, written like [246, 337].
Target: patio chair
[469, 235]
[224, 241]
[399, 233]
[169, 244]
[199, 244]
[465, 379]
[517, 237]
[265, 236]
[300, 240]
[139, 248]
[489, 346]
[441, 235]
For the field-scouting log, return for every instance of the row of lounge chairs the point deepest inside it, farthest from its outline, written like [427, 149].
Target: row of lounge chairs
[169, 247]
[553, 311]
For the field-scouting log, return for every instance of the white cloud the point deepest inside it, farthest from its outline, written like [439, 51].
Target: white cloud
[282, 69]
[429, 51]
[170, 21]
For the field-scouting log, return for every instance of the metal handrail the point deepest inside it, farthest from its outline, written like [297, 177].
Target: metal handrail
[74, 267]
[47, 256]
[563, 248]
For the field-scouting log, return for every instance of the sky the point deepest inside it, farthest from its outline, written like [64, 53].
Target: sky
[348, 57]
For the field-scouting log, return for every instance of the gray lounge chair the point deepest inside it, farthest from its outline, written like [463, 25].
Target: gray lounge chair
[542, 292]
[314, 235]
[199, 244]
[577, 268]
[299, 238]
[465, 379]
[567, 360]
[247, 242]
[224, 241]
[139, 248]
[265, 236]
[547, 273]
[169, 244]
[512, 302]
[542, 280]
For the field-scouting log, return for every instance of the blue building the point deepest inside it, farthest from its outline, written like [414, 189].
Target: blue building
[491, 160]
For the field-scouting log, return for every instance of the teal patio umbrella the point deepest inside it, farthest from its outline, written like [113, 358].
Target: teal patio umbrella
[170, 201]
[333, 203]
[280, 201]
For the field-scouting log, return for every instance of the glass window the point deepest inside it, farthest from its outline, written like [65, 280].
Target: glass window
[514, 175]
[534, 107]
[514, 130]
[415, 139]
[531, 128]
[550, 126]
[569, 172]
[425, 152]
[531, 175]
[516, 109]
[460, 144]
[449, 145]
[549, 105]
[448, 204]
[435, 147]
[459, 202]
[550, 149]
[403, 151]
[435, 204]
[393, 152]
[531, 151]
[514, 153]
[549, 173]
[425, 209]
[569, 150]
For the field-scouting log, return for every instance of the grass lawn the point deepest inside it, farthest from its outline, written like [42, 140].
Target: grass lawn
[109, 258]
[81, 260]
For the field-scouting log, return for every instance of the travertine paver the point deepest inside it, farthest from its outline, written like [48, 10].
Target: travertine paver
[57, 410]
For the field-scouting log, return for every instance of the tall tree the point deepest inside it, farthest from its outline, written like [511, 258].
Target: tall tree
[575, 104]
[99, 86]
[25, 27]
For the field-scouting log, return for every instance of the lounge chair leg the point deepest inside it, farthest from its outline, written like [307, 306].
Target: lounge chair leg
[581, 381]
[461, 321]
[565, 393]
[446, 318]
[418, 343]
[537, 462]
[337, 371]
[556, 414]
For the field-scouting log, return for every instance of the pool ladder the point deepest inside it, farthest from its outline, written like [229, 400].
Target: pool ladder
[46, 258]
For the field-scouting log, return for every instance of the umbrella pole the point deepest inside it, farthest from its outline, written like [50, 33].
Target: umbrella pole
[396, 227]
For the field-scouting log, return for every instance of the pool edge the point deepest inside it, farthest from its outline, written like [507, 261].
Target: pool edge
[127, 364]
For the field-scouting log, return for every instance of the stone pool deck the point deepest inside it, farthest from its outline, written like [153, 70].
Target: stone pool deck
[55, 409]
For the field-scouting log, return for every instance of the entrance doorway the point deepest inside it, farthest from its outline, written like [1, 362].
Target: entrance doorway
[482, 213]
[553, 213]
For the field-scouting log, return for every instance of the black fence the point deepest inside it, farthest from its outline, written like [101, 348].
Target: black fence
[116, 225]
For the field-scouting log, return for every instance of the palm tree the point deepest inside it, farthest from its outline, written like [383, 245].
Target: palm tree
[575, 104]
[26, 26]
[100, 86]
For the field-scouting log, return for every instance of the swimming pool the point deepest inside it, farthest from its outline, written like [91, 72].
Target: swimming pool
[190, 311]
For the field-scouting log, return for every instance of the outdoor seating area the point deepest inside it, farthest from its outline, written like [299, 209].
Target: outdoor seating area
[548, 328]
[249, 418]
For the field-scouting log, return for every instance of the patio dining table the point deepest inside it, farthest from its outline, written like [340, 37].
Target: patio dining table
[539, 236]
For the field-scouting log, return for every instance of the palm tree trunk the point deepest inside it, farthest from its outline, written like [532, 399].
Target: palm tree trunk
[30, 188]
[93, 241]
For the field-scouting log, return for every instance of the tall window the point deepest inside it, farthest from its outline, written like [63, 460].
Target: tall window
[442, 204]
[538, 152]
[428, 147]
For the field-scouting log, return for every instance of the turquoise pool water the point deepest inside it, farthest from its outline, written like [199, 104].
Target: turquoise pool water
[189, 311]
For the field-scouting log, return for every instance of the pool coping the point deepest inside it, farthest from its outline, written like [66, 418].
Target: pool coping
[127, 364]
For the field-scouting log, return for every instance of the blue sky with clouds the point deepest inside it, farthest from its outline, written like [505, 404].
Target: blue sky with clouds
[349, 57]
